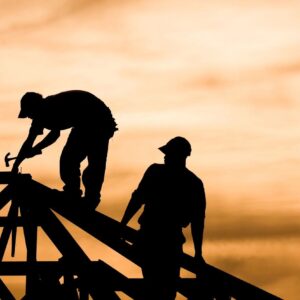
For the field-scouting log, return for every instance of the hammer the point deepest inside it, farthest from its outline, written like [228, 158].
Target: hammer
[7, 159]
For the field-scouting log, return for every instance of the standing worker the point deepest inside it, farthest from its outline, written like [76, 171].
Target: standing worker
[173, 197]
[92, 126]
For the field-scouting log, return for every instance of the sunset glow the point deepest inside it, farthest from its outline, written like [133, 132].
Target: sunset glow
[224, 74]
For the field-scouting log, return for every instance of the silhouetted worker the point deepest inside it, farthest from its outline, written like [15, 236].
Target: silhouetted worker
[92, 126]
[173, 197]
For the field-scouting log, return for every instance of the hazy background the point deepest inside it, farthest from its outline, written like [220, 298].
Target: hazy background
[224, 74]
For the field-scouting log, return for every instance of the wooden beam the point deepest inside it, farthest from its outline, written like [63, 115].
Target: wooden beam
[18, 222]
[109, 231]
[7, 229]
[7, 177]
[5, 196]
[237, 288]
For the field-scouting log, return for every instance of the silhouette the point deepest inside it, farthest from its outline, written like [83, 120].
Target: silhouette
[75, 276]
[92, 126]
[173, 197]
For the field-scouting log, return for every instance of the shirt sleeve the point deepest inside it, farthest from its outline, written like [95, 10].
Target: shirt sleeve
[145, 185]
[36, 128]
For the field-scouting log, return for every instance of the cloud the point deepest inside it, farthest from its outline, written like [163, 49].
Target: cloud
[239, 225]
[263, 263]
[17, 15]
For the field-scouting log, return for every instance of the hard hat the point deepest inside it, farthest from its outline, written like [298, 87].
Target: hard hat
[29, 102]
[178, 146]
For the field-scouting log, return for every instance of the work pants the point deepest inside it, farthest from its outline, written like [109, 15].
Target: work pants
[160, 262]
[81, 144]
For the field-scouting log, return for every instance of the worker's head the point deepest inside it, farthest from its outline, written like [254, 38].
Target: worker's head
[30, 103]
[176, 151]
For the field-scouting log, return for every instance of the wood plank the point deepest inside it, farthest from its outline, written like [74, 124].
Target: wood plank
[5, 196]
[109, 231]
[7, 229]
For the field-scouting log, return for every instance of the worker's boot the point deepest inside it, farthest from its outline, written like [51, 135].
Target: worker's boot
[72, 195]
[91, 200]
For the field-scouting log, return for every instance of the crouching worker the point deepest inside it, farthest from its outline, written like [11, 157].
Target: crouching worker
[92, 125]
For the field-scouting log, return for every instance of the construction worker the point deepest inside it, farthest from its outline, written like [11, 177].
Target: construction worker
[173, 197]
[92, 125]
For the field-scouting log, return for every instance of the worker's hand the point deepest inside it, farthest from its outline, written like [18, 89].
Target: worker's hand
[33, 152]
[200, 260]
[15, 168]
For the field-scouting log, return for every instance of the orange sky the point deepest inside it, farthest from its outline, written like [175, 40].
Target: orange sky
[224, 74]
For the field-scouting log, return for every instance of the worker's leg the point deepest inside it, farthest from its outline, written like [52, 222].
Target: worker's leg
[93, 175]
[161, 270]
[159, 284]
[72, 155]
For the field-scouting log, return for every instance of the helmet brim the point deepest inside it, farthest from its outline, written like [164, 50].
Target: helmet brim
[22, 115]
[163, 149]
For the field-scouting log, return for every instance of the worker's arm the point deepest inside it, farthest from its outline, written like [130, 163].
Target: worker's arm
[197, 225]
[25, 150]
[132, 208]
[50, 138]
[138, 196]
